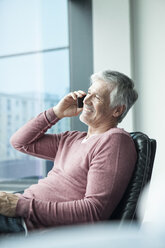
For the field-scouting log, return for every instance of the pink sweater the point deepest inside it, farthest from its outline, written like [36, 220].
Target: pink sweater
[87, 180]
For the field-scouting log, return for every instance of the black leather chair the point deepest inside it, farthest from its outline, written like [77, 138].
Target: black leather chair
[127, 207]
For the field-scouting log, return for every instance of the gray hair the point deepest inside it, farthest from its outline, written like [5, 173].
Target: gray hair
[123, 92]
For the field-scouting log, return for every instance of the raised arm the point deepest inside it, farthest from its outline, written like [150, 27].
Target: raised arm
[32, 138]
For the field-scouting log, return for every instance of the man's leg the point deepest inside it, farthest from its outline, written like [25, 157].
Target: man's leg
[11, 224]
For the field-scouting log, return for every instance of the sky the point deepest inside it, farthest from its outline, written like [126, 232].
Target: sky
[34, 25]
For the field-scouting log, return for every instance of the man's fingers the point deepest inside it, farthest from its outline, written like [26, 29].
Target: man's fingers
[81, 92]
[77, 94]
[73, 95]
[8, 203]
[2, 194]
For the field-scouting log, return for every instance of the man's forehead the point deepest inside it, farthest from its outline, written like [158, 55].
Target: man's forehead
[100, 86]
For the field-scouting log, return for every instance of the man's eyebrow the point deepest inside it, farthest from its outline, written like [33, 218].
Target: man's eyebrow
[97, 94]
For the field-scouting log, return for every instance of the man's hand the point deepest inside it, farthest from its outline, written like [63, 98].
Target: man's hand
[67, 107]
[8, 203]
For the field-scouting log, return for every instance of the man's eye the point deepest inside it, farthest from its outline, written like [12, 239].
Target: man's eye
[97, 97]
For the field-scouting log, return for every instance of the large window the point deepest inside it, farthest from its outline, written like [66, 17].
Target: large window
[45, 51]
[34, 73]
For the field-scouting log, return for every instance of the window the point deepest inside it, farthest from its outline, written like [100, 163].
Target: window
[34, 73]
[45, 51]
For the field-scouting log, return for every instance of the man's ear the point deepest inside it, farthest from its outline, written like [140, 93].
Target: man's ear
[118, 111]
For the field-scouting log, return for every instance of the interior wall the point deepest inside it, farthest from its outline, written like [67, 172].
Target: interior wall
[148, 32]
[111, 40]
[129, 36]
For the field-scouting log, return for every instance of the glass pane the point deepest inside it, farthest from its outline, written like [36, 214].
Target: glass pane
[30, 83]
[36, 74]
[32, 25]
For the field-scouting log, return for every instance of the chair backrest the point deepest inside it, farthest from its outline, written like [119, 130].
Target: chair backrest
[127, 207]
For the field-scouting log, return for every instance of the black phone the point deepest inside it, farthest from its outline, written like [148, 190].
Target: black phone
[80, 101]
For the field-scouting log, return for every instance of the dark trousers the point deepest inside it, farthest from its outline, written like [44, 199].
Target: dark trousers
[11, 225]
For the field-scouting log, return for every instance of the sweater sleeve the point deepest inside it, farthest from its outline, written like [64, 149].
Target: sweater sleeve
[31, 138]
[110, 170]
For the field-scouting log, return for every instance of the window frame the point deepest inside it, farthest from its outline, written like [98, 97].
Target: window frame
[80, 49]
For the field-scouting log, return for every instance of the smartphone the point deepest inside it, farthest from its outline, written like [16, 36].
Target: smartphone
[80, 101]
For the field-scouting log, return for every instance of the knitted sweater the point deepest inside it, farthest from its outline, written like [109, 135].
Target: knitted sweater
[87, 180]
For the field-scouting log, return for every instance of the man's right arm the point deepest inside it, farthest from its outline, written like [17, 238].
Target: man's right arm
[32, 138]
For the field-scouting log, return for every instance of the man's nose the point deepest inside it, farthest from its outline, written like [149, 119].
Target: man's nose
[87, 99]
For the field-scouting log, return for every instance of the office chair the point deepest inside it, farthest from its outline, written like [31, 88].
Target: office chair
[127, 207]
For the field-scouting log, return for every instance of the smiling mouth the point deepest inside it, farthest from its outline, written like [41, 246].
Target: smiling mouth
[87, 110]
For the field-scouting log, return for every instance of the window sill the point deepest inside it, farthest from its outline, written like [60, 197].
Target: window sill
[17, 185]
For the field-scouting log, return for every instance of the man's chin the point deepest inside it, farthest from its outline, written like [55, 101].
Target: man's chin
[83, 119]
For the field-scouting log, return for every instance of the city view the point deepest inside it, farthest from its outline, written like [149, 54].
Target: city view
[16, 110]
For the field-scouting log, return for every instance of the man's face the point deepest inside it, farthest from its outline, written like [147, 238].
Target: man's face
[97, 111]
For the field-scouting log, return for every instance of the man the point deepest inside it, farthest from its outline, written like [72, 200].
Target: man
[91, 170]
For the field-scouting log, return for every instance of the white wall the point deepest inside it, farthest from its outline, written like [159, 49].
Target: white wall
[149, 72]
[111, 40]
[134, 43]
